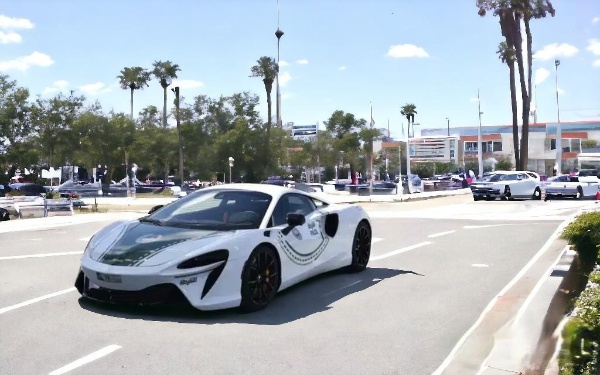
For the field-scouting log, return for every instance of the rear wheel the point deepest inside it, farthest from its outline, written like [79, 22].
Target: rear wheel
[361, 247]
[261, 278]
[579, 193]
[537, 194]
[507, 194]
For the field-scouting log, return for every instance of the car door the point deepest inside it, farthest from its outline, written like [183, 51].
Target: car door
[525, 185]
[300, 246]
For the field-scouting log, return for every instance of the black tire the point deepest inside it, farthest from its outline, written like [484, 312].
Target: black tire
[476, 198]
[579, 193]
[261, 278]
[537, 194]
[507, 193]
[361, 247]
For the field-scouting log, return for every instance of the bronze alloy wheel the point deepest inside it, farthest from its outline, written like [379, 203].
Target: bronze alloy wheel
[260, 279]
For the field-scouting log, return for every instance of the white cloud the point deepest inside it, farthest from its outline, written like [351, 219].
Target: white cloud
[596, 20]
[540, 75]
[283, 63]
[406, 50]
[95, 88]
[56, 86]
[342, 67]
[554, 50]
[284, 78]
[25, 62]
[12, 23]
[185, 84]
[594, 46]
[10, 37]
[302, 62]
[61, 83]
[596, 63]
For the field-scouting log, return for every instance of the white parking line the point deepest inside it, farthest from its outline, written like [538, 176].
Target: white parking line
[441, 234]
[87, 359]
[342, 288]
[43, 255]
[400, 251]
[485, 226]
[38, 299]
[376, 239]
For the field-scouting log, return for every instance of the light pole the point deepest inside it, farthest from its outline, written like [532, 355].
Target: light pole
[447, 119]
[558, 126]
[479, 143]
[231, 160]
[278, 34]
[176, 91]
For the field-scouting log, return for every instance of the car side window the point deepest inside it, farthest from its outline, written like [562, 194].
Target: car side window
[291, 203]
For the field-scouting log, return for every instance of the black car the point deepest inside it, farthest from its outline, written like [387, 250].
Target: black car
[28, 188]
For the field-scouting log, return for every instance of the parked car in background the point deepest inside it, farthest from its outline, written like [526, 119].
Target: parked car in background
[28, 188]
[570, 186]
[508, 185]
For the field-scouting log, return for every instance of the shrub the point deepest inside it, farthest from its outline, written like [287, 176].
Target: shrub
[163, 191]
[584, 235]
[589, 143]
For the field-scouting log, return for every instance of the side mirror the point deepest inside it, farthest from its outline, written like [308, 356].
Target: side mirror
[294, 220]
[155, 208]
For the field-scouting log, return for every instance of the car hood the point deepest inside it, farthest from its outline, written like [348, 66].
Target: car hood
[140, 244]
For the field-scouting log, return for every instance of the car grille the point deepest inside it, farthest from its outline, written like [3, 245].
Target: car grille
[155, 295]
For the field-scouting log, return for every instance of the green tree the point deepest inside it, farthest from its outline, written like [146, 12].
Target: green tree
[165, 71]
[134, 78]
[506, 54]
[409, 111]
[266, 68]
[512, 14]
[14, 119]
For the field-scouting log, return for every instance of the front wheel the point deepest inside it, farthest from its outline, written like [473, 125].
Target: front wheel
[537, 194]
[261, 278]
[579, 193]
[361, 247]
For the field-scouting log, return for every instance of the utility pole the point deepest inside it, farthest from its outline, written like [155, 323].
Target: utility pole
[558, 127]
[176, 91]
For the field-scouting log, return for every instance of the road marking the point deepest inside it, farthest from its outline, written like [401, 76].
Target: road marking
[32, 301]
[485, 226]
[441, 234]
[85, 238]
[480, 265]
[85, 360]
[43, 255]
[491, 304]
[376, 239]
[342, 288]
[400, 251]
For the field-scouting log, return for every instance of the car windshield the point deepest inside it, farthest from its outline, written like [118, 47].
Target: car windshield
[214, 209]
[503, 177]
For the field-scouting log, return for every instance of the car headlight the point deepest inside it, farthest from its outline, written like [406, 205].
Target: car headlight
[205, 259]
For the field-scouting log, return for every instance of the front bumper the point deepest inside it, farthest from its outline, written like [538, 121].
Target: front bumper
[485, 191]
[208, 288]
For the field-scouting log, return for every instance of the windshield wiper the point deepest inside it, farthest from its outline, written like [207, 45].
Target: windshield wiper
[153, 221]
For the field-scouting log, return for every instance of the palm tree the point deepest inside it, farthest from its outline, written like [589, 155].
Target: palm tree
[409, 111]
[134, 78]
[507, 55]
[266, 68]
[165, 72]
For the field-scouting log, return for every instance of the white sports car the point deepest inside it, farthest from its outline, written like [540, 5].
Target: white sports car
[570, 186]
[225, 246]
[508, 185]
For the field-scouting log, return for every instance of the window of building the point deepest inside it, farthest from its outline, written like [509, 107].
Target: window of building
[487, 146]
[568, 144]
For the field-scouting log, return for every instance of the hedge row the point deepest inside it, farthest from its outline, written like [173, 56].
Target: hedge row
[580, 352]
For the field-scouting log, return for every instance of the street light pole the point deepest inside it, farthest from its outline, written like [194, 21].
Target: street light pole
[231, 160]
[176, 91]
[558, 127]
[479, 142]
[278, 34]
[447, 119]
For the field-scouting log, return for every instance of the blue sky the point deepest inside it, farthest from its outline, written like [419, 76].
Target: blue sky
[337, 54]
